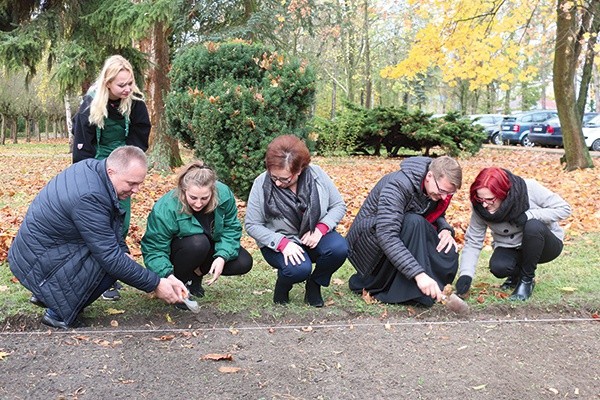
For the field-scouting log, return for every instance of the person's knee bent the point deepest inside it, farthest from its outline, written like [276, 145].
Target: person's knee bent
[297, 273]
[534, 227]
[502, 268]
[243, 264]
[412, 220]
[189, 253]
[338, 248]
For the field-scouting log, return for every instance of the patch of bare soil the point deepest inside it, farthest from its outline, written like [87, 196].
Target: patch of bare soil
[499, 353]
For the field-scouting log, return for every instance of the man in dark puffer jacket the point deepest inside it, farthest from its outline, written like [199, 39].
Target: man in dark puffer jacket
[400, 242]
[69, 248]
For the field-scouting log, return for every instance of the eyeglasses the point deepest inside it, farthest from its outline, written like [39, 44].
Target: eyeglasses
[441, 191]
[489, 201]
[284, 181]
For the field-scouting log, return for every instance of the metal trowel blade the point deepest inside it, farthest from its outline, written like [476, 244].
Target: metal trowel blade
[192, 305]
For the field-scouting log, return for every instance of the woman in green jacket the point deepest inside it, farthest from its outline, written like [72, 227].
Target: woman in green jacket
[194, 230]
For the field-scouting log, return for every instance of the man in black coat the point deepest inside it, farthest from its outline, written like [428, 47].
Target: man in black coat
[400, 242]
[69, 248]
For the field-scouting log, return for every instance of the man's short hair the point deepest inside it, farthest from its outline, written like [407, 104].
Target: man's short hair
[447, 167]
[121, 158]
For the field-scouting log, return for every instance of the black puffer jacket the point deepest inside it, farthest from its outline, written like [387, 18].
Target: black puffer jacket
[375, 232]
[70, 239]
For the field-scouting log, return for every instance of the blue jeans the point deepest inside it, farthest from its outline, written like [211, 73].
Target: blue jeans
[328, 255]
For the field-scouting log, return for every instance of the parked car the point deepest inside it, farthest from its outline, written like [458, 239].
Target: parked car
[490, 124]
[546, 134]
[515, 128]
[549, 133]
[587, 117]
[591, 133]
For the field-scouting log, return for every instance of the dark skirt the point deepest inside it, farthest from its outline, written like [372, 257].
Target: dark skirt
[389, 285]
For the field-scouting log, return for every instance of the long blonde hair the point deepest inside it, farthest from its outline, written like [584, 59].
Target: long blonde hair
[98, 110]
[198, 174]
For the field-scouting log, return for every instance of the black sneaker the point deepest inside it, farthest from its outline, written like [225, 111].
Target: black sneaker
[195, 288]
[112, 294]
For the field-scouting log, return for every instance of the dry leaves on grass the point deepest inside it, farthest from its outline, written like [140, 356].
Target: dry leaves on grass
[354, 177]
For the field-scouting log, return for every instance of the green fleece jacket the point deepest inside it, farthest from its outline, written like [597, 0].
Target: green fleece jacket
[167, 221]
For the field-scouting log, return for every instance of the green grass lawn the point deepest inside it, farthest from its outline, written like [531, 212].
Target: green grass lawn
[570, 281]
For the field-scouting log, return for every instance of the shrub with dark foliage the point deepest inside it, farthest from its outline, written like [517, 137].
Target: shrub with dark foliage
[228, 101]
[396, 129]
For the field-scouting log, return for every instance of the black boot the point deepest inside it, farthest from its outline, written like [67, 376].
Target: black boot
[195, 287]
[281, 294]
[313, 294]
[510, 283]
[523, 290]
[34, 300]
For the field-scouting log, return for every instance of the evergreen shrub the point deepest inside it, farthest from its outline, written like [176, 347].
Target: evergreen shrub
[396, 129]
[229, 100]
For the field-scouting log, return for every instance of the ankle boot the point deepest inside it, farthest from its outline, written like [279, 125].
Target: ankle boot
[313, 294]
[523, 290]
[510, 283]
[195, 287]
[281, 294]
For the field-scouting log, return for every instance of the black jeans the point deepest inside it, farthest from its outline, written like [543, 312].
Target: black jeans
[539, 246]
[197, 251]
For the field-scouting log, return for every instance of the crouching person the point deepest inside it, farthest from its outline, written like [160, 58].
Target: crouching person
[292, 213]
[401, 245]
[70, 248]
[194, 231]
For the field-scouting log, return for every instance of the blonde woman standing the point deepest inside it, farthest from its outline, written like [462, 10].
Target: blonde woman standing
[112, 114]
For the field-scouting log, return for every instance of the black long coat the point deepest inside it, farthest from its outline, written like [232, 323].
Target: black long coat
[375, 232]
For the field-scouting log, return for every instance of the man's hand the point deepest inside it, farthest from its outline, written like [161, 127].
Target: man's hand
[216, 269]
[446, 242]
[292, 253]
[171, 290]
[428, 286]
[311, 239]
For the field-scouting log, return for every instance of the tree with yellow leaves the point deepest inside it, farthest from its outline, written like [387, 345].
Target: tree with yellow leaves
[487, 41]
[476, 41]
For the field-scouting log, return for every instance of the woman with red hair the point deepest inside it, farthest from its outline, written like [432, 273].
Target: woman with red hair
[523, 219]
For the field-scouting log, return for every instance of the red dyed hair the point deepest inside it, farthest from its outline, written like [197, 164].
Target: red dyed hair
[493, 178]
[287, 151]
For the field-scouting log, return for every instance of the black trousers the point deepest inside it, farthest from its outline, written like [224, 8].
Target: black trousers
[389, 285]
[539, 246]
[197, 251]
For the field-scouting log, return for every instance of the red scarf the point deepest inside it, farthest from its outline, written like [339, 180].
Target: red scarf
[440, 209]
